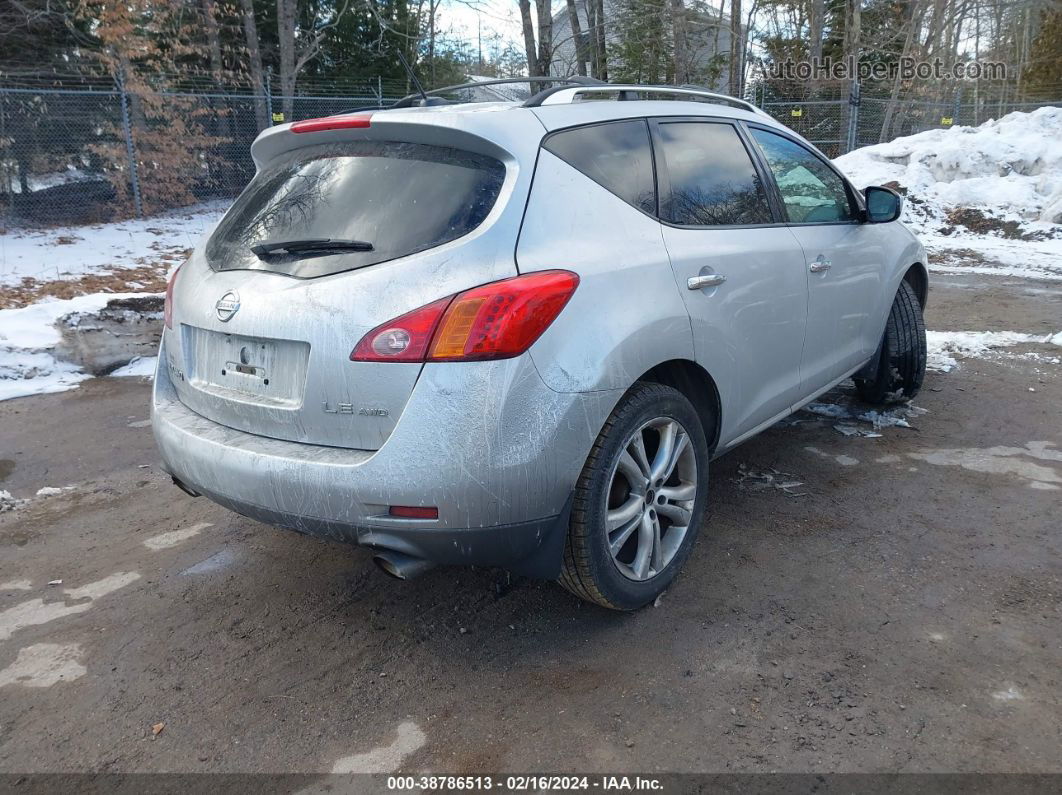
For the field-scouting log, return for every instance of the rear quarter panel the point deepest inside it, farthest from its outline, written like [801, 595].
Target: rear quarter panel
[627, 315]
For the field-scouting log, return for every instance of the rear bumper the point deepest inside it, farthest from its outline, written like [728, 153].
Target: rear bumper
[530, 548]
[489, 444]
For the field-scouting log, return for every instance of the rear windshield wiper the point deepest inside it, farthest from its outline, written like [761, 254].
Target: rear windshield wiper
[311, 247]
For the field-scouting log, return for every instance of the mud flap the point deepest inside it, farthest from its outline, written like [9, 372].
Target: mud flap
[545, 562]
[869, 371]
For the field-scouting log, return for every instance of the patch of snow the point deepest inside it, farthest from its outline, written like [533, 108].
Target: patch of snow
[141, 366]
[944, 346]
[8, 502]
[42, 181]
[759, 480]
[27, 337]
[74, 251]
[895, 417]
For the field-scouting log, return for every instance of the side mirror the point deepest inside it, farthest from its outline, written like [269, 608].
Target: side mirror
[883, 204]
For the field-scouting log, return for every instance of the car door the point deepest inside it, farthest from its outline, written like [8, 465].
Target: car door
[739, 269]
[845, 259]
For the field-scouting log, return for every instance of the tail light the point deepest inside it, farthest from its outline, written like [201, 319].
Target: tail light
[167, 311]
[495, 321]
[346, 121]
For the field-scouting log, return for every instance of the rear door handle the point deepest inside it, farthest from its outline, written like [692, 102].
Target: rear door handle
[709, 280]
[820, 265]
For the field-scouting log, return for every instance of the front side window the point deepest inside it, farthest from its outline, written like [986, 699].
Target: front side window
[616, 156]
[812, 192]
[713, 180]
[368, 201]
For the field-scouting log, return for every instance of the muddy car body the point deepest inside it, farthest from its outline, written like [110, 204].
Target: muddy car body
[655, 275]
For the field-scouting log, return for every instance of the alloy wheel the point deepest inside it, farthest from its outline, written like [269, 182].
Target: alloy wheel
[649, 501]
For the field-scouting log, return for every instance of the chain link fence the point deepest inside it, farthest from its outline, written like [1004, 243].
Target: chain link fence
[96, 150]
[98, 153]
[839, 117]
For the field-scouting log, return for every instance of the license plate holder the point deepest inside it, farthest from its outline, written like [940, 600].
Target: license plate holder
[252, 369]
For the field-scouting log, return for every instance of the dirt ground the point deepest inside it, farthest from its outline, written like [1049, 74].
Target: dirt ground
[899, 610]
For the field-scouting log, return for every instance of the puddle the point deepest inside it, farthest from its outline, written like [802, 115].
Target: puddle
[7, 466]
[221, 560]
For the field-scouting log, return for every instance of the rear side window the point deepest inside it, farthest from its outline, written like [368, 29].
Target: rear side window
[713, 180]
[399, 198]
[616, 156]
[812, 192]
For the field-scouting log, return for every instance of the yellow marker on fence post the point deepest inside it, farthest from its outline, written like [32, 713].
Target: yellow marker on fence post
[796, 112]
[278, 118]
[946, 121]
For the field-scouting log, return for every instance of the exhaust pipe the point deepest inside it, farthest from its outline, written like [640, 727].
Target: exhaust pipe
[399, 565]
[185, 488]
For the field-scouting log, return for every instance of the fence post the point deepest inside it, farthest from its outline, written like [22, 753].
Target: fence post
[853, 116]
[127, 129]
[958, 103]
[269, 96]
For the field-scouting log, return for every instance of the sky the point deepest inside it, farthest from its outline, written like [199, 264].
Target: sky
[459, 19]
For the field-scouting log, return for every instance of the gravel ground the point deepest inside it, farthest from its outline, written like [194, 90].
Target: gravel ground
[898, 610]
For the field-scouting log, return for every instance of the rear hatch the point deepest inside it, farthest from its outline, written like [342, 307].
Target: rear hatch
[340, 231]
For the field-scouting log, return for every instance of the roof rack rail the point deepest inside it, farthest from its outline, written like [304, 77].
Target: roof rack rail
[565, 95]
[413, 100]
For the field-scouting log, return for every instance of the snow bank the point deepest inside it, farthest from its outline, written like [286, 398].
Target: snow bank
[984, 199]
[28, 339]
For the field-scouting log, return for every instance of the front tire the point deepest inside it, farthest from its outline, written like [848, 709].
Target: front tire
[639, 501]
[902, 360]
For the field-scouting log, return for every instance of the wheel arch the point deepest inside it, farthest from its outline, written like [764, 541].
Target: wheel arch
[697, 384]
[918, 278]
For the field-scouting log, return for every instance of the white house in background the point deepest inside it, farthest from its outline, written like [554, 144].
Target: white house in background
[707, 34]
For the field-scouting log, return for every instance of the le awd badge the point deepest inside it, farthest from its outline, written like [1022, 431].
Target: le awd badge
[348, 408]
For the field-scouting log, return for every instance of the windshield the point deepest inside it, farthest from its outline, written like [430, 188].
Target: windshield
[396, 198]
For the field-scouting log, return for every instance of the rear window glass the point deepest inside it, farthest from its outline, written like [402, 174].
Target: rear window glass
[617, 156]
[399, 198]
[713, 180]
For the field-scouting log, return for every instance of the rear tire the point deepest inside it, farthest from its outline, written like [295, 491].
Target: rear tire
[902, 362]
[646, 478]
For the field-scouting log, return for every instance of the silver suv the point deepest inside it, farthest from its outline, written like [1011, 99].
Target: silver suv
[515, 334]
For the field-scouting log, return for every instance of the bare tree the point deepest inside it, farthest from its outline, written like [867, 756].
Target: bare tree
[816, 21]
[577, 37]
[529, 38]
[737, 47]
[679, 43]
[292, 57]
[540, 55]
[598, 36]
[545, 35]
[852, 28]
[254, 60]
[210, 23]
